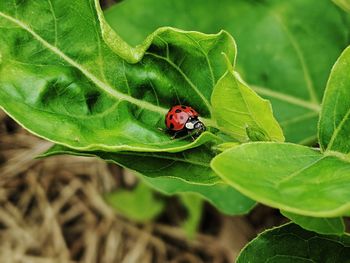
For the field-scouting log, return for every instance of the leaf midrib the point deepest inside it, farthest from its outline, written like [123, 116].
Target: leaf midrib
[308, 80]
[287, 98]
[192, 85]
[99, 83]
[337, 130]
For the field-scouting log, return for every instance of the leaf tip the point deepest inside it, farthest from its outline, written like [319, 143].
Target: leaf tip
[229, 64]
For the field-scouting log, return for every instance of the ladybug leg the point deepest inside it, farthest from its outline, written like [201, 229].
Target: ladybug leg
[175, 135]
[179, 134]
[191, 134]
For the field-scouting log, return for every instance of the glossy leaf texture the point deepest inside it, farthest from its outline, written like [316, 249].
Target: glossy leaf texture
[173, 173]
[235, 116]
[291, 243]
[334, 125]
[286, 48]
[138, 204]
[61, 81]
[326, 226]
[290, 177]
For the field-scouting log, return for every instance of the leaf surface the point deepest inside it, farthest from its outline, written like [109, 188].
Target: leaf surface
[334, 125]
[286, 48]
[291, 243]
[186, 172]
[61, 81]
[290, 177]
[326, 226]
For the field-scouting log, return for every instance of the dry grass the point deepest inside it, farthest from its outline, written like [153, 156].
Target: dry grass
[52, 210]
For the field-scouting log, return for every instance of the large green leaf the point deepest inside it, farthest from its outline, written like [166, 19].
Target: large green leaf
[326, 226]
[289, 177]
[290, 243]
[60, 80]
[286, 48]
[186, 172]
[334, 126]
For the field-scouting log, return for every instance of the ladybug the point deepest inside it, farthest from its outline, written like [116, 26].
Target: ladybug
[182, 120]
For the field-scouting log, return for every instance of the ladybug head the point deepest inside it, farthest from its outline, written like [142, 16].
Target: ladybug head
[194, 124]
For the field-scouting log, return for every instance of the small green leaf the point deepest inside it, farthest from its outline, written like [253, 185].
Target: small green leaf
[236, 107]
[138, 204]
[290, 177]
[291, 243]
[194, 206]
[188, 172]
[334, 125]
[256, 134]
[326, 226]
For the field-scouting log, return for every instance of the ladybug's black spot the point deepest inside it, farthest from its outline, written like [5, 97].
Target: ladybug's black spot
[170, 117]
[171, 126]
[177, 111]
[181, 117]
[184, 107]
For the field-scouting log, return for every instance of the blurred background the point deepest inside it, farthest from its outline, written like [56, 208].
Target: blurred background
[77, 209]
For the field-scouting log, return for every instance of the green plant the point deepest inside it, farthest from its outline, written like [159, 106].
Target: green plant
[67, 76]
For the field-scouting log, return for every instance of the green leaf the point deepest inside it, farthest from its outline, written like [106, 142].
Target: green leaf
[326, 226]
[186, 172]
[290, 243]
[344, 4]
[286, 48]
[138, 204]
[334, 125]
[237, 108]
[290, 177]
[61, 81]
[225, 198]
[194, 206]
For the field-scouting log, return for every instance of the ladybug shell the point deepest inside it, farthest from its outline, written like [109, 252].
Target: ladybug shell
[177, 117]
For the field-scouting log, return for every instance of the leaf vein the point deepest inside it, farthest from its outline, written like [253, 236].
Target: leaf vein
[100, 84]
[192, 85]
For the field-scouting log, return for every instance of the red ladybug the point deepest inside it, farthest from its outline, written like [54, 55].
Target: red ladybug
[182, 120]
